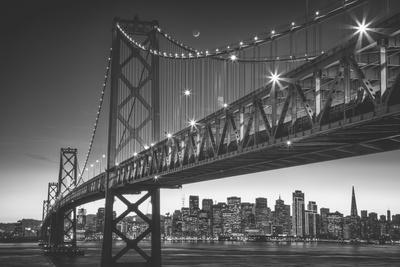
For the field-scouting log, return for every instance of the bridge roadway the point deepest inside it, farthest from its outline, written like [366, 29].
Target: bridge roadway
[215, 148]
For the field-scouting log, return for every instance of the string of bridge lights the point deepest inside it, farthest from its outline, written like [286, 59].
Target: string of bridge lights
[103, 89]
[231, 50]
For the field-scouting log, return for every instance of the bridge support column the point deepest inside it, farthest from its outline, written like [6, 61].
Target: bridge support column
[383, 67]
[156, 231]
[318, 99]
[154, 228]
[57, 229]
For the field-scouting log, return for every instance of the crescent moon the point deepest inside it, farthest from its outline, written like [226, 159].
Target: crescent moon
[196, 34]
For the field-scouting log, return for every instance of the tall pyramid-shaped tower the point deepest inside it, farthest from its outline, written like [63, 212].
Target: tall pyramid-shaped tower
[353, 204]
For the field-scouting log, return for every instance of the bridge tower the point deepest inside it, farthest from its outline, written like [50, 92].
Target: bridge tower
[132, 93]
[63, 221]
[52, 189]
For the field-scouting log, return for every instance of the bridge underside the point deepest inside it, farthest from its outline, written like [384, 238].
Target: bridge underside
[360, 135]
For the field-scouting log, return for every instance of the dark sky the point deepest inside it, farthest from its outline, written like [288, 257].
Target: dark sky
[52, 60]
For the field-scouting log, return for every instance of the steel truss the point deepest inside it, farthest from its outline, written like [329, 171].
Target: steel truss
[342, 83]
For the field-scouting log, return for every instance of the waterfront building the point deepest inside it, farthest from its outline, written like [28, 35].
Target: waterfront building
[177, 223]
[335, 225]
[167, 225]
[100, 220]
[81, 219]
[194, 205]
[206, 205]
[204, 230]
[262, 215]
[324, 222]
[364, 225]
[282, 221]
[247, 216]
[312, 206]
[298, 214]
[217, 220]
[373, 229]
[310, 223]
[364, 214]
[234, 217]
[185, 221]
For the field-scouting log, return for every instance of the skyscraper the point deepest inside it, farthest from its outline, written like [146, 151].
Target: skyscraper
[282, 217]
[324, 222]
[261, 213]
[311, 227]
[298, 214]
[193, 205]
[81, 219]
[100, 219]
[234, 216]
[206, 205]
[217, 220]
[353, 212]
[312, 206]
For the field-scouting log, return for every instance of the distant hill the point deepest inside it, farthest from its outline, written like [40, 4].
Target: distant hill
[26, 223]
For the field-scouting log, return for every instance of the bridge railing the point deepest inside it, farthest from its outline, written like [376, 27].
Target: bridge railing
[88, 188]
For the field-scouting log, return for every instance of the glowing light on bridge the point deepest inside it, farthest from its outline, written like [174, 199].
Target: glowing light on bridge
[192, 123]
[225, 105]
[233, 57]
[317, 13]
[156, 177]
[169, 135]
[362, 29]
[288, 142]
[146, 147]
[135, 154]
[273, 32]
[274, 78]
[187, 92]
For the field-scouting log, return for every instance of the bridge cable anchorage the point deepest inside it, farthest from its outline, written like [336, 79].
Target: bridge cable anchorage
[258, 39]
[104, 86]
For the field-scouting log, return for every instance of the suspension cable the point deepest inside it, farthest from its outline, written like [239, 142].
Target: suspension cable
[104, 86]
[242, 45]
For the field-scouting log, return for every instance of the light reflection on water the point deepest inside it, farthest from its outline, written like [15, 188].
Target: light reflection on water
[199, 254]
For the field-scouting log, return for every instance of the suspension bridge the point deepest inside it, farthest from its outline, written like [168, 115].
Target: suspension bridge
[290, 96]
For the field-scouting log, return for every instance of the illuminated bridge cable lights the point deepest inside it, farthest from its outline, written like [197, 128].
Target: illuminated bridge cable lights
[104, 86]
[289, 28]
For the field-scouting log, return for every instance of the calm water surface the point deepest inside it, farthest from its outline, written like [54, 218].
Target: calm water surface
[201, 254]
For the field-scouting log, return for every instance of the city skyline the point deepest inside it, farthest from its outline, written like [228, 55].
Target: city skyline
[234, 219]
[93, 209]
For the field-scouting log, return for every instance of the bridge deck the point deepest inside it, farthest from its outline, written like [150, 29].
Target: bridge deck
[355, 136]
